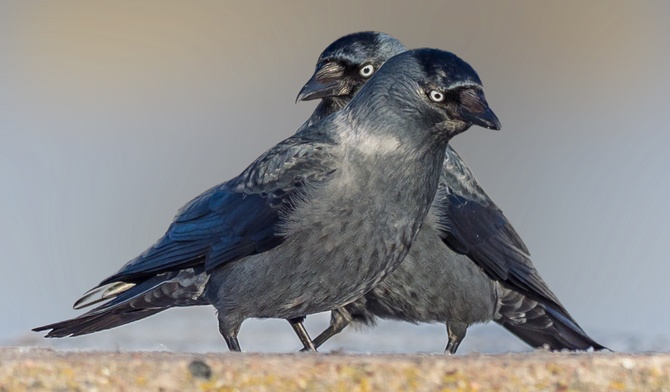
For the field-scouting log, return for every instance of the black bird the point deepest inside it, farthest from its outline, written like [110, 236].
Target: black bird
[315, 222]
[468, 264]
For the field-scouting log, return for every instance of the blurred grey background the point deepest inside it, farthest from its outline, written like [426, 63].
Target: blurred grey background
[115, 114]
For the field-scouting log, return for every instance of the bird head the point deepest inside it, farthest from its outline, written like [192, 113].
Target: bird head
[439, 88]
[347, 64]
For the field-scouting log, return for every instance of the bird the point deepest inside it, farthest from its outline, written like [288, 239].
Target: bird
[468, 265]
[316, 221]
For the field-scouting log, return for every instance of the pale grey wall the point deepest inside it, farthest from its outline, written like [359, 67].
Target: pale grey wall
[113, 115]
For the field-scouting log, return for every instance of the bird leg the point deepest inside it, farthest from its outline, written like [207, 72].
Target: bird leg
[233, 343]
[455, 335]
[299, 329]
[337, 323]
[229, 333]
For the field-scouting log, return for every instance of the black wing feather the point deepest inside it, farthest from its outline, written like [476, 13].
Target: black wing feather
[235, 219]
[238, 218]
[476, 227]
[473, 225]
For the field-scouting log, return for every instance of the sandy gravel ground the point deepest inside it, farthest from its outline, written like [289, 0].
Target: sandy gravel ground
[43, 369]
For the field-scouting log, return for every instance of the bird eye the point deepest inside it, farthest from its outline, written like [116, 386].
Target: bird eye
[436, 96]
[367, 71]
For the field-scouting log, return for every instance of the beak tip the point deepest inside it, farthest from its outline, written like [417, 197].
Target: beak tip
[486, 119]
[490, 120]
[318, 89]
[302, 94]
[495, 126]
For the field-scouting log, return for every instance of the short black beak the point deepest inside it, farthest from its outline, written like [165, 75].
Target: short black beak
[476, 111]
[315, 89]
[485, 119]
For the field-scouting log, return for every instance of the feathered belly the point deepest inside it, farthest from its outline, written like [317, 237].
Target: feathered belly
[325, 265]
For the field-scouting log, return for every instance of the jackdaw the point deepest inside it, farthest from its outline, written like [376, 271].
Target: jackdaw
[316, 221]
[468, 265]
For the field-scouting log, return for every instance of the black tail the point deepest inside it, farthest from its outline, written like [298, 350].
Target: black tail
[542, 325]
[146, 298]
[86, 323]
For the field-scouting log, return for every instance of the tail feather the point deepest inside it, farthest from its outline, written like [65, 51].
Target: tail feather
[86, 324]
[132, 302]
[542, 325]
